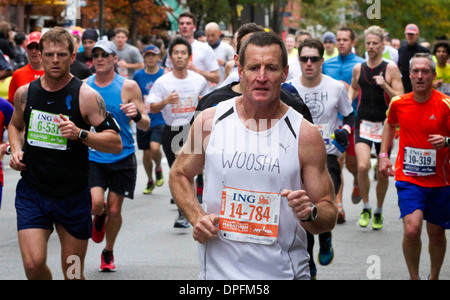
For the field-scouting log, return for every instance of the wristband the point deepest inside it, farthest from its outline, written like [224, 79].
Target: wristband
[347, 128]
[384, 154]
[8, 150]
[137, 117]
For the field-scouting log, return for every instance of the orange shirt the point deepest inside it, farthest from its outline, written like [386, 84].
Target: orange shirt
[417, 121]
[20, 77]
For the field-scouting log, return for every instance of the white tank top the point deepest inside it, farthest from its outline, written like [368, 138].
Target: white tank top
[245, 172]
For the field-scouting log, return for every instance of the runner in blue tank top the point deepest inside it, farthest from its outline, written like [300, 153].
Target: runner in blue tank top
[115, 172]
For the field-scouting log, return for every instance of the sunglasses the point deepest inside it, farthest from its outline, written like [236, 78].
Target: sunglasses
[304, 59]
[33, 46]
[103, 54]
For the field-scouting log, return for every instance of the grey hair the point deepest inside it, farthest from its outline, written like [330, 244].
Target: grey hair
[424, 55]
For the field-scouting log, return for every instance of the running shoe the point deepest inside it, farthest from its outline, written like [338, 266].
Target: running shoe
[149, 188]
[98, 230]
[159, 177]
[356, 194]
[107, 262]
[364, 219]
[181, 221]
[377, 222]
[341, 215]
[326, 255]
[313, 272]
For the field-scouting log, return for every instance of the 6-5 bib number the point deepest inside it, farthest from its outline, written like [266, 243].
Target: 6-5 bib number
[43, 131]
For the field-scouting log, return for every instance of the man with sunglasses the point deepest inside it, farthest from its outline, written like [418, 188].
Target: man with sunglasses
[329, 42]
[116, 172]
[325, 97]
[32, 70]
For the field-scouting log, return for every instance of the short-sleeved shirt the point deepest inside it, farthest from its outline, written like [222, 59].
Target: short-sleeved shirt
[324, 102]
[444, 74]
[417, 122]
[189, 89]
[131, 55]
[21, 77]
[145, 82]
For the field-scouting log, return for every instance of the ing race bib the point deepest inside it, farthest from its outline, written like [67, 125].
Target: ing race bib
[43, 131]
[371, 131]
[419, 162]
[249, 216]
[187, 104]
[324, 129]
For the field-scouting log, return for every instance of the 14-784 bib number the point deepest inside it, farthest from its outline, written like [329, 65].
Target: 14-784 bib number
[249, 216]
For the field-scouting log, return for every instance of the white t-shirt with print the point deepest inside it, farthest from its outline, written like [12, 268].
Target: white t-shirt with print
[324, 102]
[189, 90]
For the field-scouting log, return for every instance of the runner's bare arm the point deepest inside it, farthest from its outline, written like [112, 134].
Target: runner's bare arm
[93, 110]
[189, 163]
[393, 84]
[133, 105]
[384, 163]
[318, 187]
[354, 86]
[16, 129]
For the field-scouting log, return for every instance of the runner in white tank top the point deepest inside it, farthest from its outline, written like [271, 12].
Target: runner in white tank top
[267, 164]
[261, 179]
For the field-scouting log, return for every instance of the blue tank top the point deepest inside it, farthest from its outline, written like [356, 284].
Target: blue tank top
[111, 96]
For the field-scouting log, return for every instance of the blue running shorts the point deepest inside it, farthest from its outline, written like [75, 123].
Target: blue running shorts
[434, 202]
[35, 210]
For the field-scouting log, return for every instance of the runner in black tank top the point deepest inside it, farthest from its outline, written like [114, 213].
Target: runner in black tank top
[50, 174]
[373, 100]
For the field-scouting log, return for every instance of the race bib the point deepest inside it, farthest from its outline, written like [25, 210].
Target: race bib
[419, 162]
[249, 216]
[43, 131]
[187, 104]
[324, 130]
[371, 131]
[147, 104]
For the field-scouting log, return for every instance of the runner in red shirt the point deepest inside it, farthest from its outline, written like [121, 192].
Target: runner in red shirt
[32, 71]
[422, 168]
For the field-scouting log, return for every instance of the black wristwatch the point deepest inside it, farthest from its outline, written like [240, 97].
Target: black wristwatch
[447, 141]
[313, 214]
[82, 135]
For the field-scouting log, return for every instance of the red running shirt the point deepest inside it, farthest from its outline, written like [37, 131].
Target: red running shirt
[417, 121]
[20, 77]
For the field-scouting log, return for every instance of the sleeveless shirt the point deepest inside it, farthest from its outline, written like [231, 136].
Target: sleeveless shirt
[265, 161]
[52, 168]
[111, 94]
[373, 101]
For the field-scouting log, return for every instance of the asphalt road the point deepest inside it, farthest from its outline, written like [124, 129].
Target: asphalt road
[148, 247]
